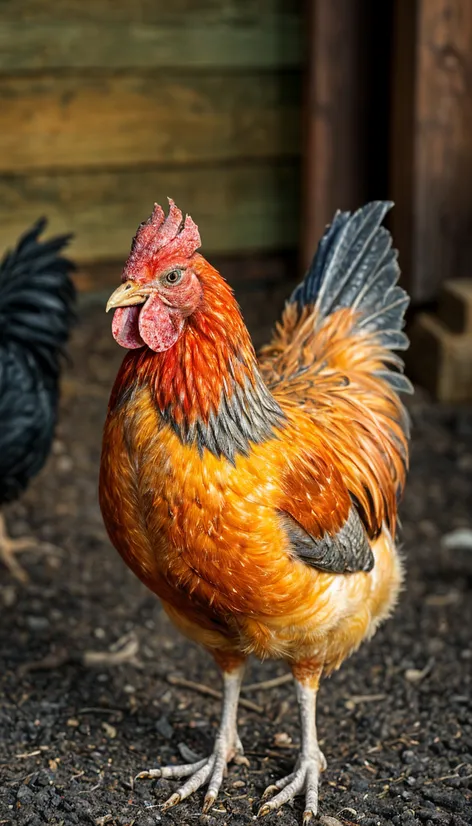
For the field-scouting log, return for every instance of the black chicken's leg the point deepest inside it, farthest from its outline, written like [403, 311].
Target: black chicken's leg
[10, 547]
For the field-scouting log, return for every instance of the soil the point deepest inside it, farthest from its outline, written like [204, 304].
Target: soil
[77, 725]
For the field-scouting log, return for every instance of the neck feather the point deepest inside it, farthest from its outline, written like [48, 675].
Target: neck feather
[208, 386]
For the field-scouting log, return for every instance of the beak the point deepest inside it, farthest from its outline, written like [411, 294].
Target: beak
[128, 294]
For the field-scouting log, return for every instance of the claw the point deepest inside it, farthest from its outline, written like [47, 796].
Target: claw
[269, 791]
[172, 801]
[264, 810]
[210, 798]
[149, 773]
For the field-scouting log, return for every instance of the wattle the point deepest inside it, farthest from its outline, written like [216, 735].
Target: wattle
[151, 323]
[125, 327]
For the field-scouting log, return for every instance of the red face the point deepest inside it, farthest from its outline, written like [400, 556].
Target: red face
[151, 308]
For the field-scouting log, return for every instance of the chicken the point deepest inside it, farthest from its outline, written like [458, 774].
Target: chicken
[36, 311]
[258, 497]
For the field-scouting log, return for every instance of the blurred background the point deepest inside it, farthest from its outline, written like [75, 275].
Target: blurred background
[260, 118]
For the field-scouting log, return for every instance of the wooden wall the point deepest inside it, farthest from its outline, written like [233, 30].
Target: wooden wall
[109, 105]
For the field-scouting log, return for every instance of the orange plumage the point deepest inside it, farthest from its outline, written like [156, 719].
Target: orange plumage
[257, 497]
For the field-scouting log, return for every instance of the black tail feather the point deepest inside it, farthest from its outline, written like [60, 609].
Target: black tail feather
[37, 295]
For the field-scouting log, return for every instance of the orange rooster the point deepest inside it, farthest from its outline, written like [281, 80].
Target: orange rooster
[258, 497]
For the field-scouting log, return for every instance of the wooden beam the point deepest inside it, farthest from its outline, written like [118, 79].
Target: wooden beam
[242, 208]
[431, 146]
[51, 122]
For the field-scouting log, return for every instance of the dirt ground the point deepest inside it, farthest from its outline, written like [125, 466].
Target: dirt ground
[76, 725]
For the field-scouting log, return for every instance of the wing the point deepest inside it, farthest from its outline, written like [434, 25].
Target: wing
[332, 357]
[320, 519]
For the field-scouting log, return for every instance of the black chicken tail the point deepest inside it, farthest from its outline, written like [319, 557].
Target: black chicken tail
[37, 296]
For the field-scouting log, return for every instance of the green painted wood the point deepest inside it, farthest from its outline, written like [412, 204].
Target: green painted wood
[50, 122]
[130, 34]
[160, 12]
[243, 208]
[264, 43]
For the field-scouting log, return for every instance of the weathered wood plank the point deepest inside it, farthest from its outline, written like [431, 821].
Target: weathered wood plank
[51, 34]
[145, 11]
[242, 208]
[190, 43]
[49, 122]
[438, 149]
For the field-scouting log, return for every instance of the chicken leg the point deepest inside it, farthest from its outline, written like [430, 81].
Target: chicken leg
[213, 768]
[10, 547]
[311, 760]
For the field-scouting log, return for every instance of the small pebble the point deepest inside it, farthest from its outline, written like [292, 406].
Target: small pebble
[37, 623]
[24, 795]
[408, 756]
[452, 800]
[164, 728]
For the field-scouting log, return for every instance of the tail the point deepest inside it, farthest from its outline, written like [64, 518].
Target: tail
[355, 267]
[332, 355]
[37, 295]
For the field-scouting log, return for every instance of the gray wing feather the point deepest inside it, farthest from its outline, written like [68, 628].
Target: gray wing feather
[345, 552]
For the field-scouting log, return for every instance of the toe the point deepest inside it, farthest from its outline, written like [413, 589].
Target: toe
[214, 785]
[170, 772]
[192, 785]
[304, 778]
[290, 790]
[311, 792]
[278, 785]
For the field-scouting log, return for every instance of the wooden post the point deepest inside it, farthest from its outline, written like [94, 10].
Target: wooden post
[331, 173]
[431, 142]
[345, 150]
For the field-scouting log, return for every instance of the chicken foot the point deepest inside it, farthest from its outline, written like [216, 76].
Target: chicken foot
[310, 763]
[10, 547]
[211, 769]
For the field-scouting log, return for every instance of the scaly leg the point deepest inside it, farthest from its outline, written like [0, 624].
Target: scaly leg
[10, 547]
[310, 762]
[211, 769]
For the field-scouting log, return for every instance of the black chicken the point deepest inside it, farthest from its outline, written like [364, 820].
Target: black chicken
[37, 298]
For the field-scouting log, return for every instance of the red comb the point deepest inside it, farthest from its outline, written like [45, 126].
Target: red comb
[161, 236]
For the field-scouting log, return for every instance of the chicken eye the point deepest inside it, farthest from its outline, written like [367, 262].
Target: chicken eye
[173, 277]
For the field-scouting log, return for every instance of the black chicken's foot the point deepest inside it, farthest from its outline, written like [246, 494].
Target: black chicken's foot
[10, 547]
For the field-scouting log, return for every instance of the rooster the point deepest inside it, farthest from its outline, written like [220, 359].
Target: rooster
[257, 497]
[37, 298]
